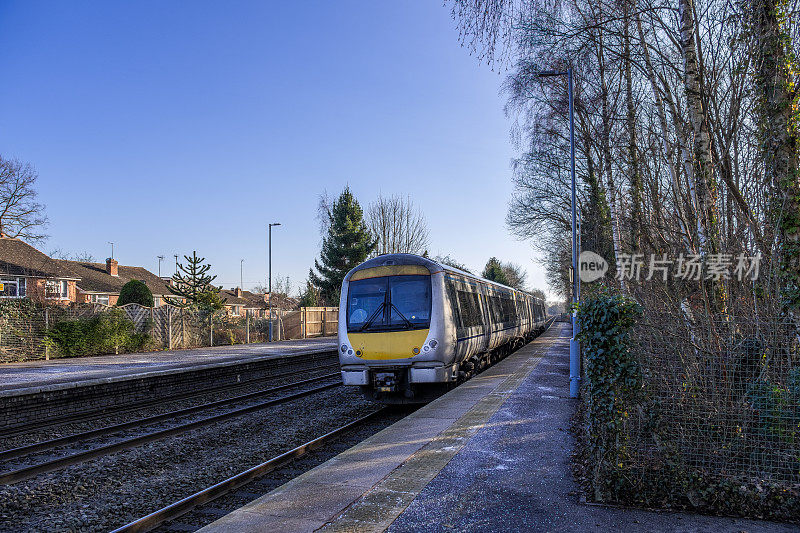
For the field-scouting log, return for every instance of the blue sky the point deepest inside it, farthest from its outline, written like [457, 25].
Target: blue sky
[173, 126]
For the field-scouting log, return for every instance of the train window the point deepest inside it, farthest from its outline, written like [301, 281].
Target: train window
[389, 303]
[410, 300]
[497, 309]
[453, 297]
[470, 309]
[366, 299]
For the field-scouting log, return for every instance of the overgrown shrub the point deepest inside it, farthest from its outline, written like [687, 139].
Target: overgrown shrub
[695, 424]
[613, 382]
[109, 332]
[135, 292]
[21, 329]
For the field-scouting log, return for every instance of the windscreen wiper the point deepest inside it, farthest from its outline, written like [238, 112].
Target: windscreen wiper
[372, 317]
[408, 322]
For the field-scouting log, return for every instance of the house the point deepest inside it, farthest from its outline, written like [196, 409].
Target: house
[235, 303]
[25, 272]
[246, 303]
[257, 305]
[243, 303]
[100, 283]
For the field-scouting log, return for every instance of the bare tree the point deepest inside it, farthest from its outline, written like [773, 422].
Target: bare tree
[398, 225]
[449, 261]
[779, 131]
[324, 204]
[515, 276]
[20, 214]
[83, 257]
[280, 285]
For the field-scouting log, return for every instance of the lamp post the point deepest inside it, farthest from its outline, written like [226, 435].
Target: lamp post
[160, 258]
[270, 278]
[574, 346]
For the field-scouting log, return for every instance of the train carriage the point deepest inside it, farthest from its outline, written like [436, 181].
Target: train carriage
[410, 327]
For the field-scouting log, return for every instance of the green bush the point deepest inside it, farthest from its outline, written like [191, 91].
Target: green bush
[109, 332]
[135, 292]
[613, 383]
[628, 451]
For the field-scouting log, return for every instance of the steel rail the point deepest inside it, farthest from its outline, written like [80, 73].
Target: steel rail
[13, 453]
[21, 474]
[177, 509]
[112, 410]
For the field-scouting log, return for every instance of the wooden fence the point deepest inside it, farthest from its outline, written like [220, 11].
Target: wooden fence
[309, 322]
[23, 331]
[171, 327]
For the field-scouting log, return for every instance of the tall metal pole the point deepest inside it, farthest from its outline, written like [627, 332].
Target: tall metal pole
[574, 346]
[269, 283]
[241, 274]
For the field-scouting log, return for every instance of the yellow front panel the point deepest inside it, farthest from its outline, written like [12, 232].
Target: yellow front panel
[388, 345]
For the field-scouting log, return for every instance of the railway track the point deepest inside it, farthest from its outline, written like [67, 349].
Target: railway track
[27, 470]
[239, 482]
[307, 361]
[47, 444]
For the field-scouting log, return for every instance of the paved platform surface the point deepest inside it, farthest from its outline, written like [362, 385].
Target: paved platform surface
[14, 376]
[491, 455]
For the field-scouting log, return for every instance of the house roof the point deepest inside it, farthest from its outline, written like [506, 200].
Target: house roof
[18, 258]
[230, 297]
[94, 278]
[249, 300]
[254, 301]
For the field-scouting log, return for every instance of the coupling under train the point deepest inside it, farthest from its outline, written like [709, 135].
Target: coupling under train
[411, 328]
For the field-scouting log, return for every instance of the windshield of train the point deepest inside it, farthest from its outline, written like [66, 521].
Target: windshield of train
[391, 303]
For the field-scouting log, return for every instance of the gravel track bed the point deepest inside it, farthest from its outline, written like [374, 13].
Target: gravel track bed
[114, 490]
[70, 428]
[206, 514]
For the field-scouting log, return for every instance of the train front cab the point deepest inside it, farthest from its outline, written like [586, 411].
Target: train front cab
[391, 334]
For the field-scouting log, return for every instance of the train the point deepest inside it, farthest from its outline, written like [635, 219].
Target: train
[411, 328]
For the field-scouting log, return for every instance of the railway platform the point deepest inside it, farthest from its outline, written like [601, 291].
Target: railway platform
[33, 394]
[77, 371]
[491, 455]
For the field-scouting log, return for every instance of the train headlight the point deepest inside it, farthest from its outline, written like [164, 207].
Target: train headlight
[433, 343]
[344, 348]
[426, 348]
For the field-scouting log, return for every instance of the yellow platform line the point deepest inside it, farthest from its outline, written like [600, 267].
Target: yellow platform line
[380, 506]
[366, 487]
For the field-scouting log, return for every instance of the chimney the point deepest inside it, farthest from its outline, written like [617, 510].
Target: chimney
[112, 267]
[238, 292]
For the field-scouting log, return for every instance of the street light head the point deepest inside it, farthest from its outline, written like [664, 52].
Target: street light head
[276, 223]
[550, 73]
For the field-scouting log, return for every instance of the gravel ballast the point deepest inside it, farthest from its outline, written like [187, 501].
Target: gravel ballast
[111, 491]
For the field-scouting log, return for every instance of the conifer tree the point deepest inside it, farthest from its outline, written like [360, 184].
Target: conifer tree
[494, 271]
[309, 297]
[192, 285]
[348, 243]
